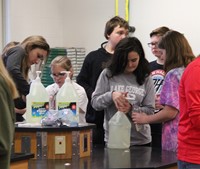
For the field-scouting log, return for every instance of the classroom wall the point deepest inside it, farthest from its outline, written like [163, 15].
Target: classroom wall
[78, 23]
[63, 23]
[85, 22]
[180, 15]
[37, 17]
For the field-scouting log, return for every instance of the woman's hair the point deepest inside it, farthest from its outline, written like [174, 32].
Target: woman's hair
[30, 43]
[114, 22]
[9, 46]
[178, 51]
[159, 31]
[4, 73]
[119, 60]
[62, 61]
[33, 42]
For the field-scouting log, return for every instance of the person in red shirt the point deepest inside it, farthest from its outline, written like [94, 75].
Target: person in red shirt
[189, 125]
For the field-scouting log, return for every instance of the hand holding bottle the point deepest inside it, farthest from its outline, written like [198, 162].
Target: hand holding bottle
[136, 109]
[121, 102]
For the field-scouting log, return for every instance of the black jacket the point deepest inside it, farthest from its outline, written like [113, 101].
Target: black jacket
[92, 66]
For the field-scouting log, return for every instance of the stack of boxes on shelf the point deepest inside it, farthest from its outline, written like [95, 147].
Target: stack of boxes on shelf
[77, 56]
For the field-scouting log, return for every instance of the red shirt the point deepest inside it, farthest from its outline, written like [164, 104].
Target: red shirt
[189, 124]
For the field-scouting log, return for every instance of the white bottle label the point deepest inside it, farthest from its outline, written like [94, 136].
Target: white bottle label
[39, 109]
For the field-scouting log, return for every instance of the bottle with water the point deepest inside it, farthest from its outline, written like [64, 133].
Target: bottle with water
[137, 109]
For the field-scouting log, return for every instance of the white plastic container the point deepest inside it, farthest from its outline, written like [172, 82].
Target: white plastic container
[37, 101]
[67, 98]
[119, 131]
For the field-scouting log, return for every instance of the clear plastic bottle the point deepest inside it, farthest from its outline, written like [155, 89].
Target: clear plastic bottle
[67, 98]
[37, 101]
[135, 108]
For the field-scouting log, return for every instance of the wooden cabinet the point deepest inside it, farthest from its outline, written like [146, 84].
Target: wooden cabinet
[54, 142]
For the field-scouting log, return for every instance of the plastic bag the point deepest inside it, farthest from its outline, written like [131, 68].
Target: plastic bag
[64, 117]
[68, 118]
[50, 118]
[119, 131]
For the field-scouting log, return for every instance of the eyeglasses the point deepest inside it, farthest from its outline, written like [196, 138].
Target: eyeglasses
[58, 75]
[151, 44]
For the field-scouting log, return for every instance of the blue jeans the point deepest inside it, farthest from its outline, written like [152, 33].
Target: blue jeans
[186, 165]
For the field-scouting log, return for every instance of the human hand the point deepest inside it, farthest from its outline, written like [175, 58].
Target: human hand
[139, 118]
[121, 103]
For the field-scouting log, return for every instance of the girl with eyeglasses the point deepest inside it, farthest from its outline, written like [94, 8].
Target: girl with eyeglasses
[58, 65]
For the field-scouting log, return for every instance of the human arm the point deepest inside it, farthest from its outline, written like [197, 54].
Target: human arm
[166, 114]
[20, 111]
[169, 98]
[102, 96]
[52, 91]
[82, 97]
[14, 66]
[121, 102]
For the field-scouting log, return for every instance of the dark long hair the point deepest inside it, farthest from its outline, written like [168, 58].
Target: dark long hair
[119, 60]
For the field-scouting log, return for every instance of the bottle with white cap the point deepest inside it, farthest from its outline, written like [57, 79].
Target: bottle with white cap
[67, 99]
[37, 101]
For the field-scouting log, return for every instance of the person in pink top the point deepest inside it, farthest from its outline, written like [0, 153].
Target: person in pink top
[177, 54]
[189, 124]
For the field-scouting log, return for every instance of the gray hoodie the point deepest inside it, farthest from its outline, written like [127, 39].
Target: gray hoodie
[143, 96]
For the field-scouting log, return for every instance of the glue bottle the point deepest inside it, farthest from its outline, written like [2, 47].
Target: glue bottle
[67, 98]
[37, 101]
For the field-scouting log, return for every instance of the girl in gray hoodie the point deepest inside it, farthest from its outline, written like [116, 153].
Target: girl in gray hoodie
[126, 76]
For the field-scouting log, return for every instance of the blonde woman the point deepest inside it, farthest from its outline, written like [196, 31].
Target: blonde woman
[4, 53]
[8, 92]
[59, 64]
[18, 61]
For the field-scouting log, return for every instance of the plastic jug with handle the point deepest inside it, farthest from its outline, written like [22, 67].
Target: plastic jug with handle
[119, 131]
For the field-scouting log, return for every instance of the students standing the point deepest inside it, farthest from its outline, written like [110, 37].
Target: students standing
[158, 75]
[177, 54]
[127, 75]
[115, 30]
